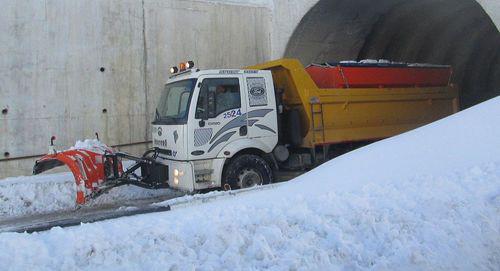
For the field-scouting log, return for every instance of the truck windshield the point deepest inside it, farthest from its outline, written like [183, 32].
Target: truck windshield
[173, 105]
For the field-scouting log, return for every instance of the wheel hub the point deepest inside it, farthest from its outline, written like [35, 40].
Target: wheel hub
[249, 178]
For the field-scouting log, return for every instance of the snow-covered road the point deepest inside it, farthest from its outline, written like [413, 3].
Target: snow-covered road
[425, 200]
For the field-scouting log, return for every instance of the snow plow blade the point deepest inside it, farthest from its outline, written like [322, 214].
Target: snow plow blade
[99, 169]
[90, 169]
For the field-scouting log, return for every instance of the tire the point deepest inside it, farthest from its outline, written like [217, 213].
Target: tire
[246, 170]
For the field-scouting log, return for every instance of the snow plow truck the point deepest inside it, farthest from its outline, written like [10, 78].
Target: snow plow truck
[237, 128]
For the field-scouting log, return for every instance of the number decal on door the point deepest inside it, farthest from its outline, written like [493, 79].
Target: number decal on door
[232, 113]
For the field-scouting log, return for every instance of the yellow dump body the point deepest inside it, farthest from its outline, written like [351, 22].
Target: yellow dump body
[331, 116]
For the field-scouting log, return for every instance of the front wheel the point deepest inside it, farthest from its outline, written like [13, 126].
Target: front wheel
[246, 170]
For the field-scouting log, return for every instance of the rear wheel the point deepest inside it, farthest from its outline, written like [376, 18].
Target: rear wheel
[246, 170]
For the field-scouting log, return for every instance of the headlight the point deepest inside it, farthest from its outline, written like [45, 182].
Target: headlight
[178, 173]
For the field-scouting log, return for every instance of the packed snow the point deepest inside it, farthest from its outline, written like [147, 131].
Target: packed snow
[389, 62]
[428, 199]
[93, 145]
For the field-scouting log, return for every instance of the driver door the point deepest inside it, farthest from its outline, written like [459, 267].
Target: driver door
[220, 115]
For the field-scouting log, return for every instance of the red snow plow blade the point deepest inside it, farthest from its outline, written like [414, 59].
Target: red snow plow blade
[98, 170]
[89, 168]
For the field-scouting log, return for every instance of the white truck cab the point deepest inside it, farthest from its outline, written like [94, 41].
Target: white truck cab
[213, 128]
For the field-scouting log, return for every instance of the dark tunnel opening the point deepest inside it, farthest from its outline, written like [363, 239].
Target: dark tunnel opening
[453, 32]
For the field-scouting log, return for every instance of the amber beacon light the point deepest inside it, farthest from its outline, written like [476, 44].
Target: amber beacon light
[182, 67]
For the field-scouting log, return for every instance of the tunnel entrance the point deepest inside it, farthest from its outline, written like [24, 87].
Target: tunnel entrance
[453, 32]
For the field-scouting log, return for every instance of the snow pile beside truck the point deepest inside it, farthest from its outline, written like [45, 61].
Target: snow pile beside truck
[426, 199]
[36, 194]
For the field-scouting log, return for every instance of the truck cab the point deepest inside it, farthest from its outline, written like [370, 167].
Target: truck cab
[213, 128]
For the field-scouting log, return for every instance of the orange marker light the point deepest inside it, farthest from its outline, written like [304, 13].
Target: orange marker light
[182, 66]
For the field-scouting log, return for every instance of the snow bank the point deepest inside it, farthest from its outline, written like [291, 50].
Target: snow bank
[36, 194]
[425, 200]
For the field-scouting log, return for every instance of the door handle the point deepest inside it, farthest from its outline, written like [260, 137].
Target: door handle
[243, 130]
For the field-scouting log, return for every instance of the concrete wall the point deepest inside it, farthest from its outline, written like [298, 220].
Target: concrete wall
[52, 53]
[492, 8]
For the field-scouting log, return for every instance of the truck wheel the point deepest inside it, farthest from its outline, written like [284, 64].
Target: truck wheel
[246, 170]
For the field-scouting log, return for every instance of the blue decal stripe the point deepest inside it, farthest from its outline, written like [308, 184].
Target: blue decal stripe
[224, 138]
[241, 121]
[263, 127]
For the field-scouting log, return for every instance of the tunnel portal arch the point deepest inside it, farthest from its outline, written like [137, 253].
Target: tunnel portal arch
[455, 32]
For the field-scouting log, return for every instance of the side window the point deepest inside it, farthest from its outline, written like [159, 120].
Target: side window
[218, 95]
[201, 105]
